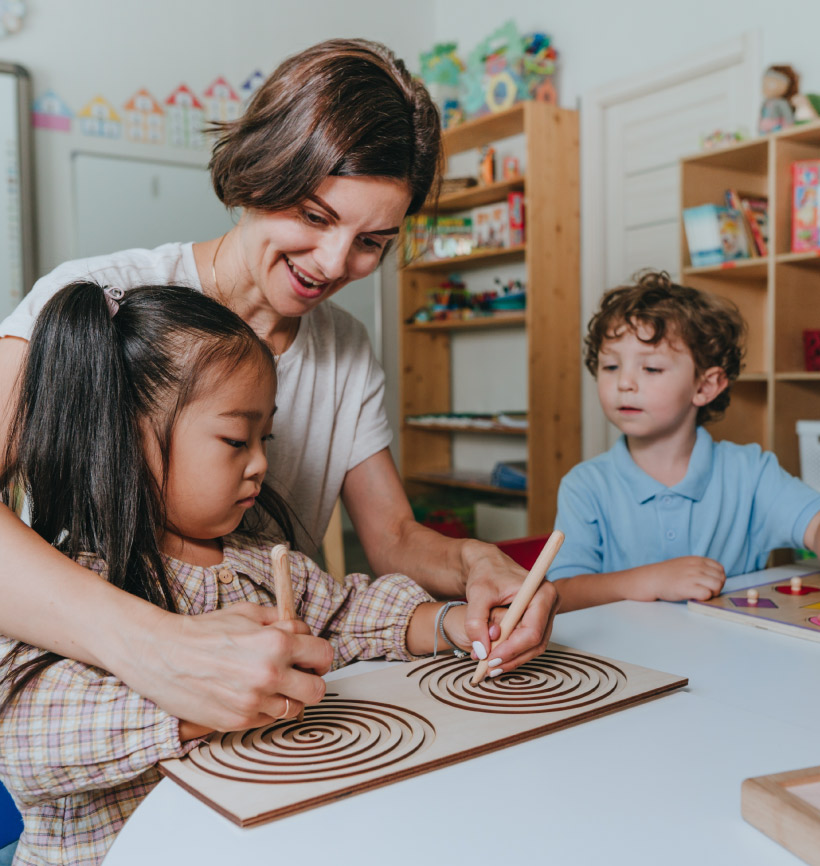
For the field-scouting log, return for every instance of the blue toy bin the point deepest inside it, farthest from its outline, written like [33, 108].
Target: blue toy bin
[11, 822]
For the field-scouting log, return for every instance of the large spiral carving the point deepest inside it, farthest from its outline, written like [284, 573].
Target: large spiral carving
[338, 738]
[553, 682]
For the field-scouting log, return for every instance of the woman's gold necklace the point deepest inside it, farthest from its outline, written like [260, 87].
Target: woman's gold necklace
[293, 323]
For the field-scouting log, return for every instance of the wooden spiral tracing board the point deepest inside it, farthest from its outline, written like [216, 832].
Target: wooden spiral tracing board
[407, 719]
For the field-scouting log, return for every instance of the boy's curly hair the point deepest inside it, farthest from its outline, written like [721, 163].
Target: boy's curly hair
[711, 327]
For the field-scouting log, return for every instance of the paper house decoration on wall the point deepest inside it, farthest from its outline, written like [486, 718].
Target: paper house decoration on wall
[251, 84]
[50, 112]
[144, 118]
[99, 118]
[222, 102]
[185, 114]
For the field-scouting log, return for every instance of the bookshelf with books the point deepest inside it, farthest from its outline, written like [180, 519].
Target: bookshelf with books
[550, 322]
[776, 288]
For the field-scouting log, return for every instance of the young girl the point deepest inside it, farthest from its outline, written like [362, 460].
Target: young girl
[139, 441]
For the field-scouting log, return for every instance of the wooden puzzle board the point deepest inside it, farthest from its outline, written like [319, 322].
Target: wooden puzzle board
[777, 609]
[786, 807]
[387, 725]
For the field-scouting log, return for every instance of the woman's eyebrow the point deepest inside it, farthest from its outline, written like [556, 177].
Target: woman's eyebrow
[326, 207]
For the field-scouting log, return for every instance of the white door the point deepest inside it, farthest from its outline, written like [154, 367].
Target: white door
[633, 134]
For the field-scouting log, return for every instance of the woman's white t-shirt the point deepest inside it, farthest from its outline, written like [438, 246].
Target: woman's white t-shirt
[330, 400]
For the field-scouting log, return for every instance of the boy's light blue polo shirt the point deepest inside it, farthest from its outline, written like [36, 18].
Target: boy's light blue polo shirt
[734, 505]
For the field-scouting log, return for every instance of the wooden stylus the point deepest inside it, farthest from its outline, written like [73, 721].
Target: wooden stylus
[523, 597]
[283, 588]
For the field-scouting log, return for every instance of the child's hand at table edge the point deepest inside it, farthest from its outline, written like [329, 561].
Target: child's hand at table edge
[679, 579]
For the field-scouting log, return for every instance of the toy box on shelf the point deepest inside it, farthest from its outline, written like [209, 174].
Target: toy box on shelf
[805, 205]
[714, 235]
[499, 225]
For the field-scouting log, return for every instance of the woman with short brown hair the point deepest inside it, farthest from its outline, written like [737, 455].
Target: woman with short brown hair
[335, 149]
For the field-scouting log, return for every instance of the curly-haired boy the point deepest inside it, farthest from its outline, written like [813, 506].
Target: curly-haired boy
[667, 513]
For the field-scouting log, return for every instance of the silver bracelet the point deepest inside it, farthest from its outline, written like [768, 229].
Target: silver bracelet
[439, 627]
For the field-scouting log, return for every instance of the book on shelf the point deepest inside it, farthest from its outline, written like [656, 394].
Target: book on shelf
[714, 234]
[755, 211]
[427, 239]
[805, 205]
[755, 240]
[515, 207]
[510, 474]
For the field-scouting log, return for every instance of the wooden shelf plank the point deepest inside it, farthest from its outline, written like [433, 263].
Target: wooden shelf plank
[476, 259]
[748, 156]
[811, 258]
[484, 130]
[734, 270]
[475, 196]
[797, 376]
[493, 430]
[497, 320]
[465, 481]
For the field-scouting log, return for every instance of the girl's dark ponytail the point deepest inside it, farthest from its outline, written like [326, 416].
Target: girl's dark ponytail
[75, 442]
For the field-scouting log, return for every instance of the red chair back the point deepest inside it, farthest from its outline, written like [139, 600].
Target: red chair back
[524, 551]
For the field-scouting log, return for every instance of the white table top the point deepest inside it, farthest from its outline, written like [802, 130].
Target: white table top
[658, 783]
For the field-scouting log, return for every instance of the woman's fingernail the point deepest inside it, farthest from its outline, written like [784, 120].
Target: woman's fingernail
[496, 672]
[478, 649]
[494, 663]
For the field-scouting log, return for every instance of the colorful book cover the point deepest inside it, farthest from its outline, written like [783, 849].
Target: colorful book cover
[735, 202]
[755, 213]
[805, 208]
[702, 230]
[732, 234]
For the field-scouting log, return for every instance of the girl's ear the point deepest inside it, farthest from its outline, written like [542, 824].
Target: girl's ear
[710, 384]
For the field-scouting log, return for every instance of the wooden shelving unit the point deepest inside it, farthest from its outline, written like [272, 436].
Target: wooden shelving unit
[779, 295]
[551, 320]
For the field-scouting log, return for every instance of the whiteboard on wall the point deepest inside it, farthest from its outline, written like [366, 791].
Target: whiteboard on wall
[121, 203]
[17, 237]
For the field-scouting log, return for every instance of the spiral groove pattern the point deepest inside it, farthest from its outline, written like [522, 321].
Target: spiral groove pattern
[554, 682]
[338, 738]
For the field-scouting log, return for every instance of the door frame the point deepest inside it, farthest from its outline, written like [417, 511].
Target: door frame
[744, 51]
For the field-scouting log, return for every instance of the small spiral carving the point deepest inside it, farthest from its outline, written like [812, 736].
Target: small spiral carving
[338, 738]
[555, 681]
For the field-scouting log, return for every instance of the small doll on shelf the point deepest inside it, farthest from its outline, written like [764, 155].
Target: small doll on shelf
[780, 84]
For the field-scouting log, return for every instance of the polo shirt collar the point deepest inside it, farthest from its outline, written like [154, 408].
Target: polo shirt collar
[644, 487]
